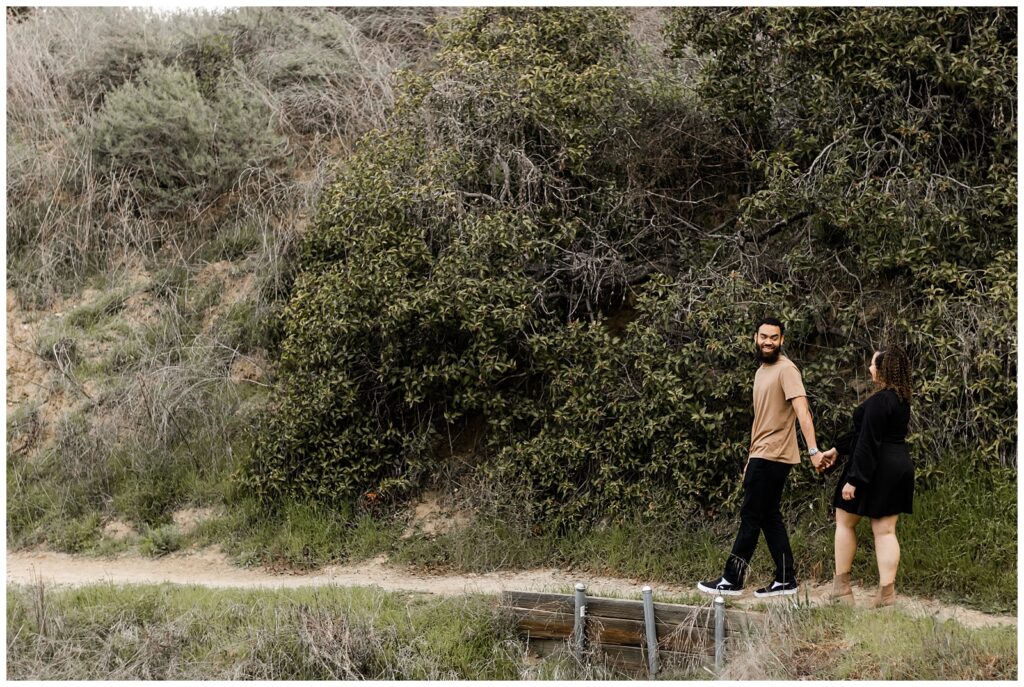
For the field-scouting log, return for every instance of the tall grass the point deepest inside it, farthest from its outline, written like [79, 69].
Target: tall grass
[172, 632]
[165, 632]
[160, 429]
[839, 643]
[82, 187]
[105, 180]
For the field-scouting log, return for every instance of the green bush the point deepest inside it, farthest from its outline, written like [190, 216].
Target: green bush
[177, 146]
[74, 536]
[160, 541]
[883, 184]
[121, 50]
[493, 256]
[441, 267]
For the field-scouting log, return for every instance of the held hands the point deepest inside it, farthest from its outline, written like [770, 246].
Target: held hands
[823, 460]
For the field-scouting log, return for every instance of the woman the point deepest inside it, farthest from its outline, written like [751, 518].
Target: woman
[877, 481]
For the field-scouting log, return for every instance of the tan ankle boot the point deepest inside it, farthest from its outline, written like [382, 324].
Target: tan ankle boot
[841, 592]
[886, 596]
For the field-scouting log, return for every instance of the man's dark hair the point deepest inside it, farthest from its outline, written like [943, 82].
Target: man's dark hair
[773, 322]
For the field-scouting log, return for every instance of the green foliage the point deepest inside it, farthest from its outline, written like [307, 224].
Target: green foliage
[892, 646]
[960, 543]
[91, 314]
[119, 53]
[515, 280]
[886, 137]
[552, 237]
[303, 536]
[208, 56]
[455, 249]
[160, 541]
[179, 146]
[75, 536]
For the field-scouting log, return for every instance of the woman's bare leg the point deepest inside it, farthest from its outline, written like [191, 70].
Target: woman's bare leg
[846, 540]
[887, 548]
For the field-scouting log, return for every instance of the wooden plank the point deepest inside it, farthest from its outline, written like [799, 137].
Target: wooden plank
[742, 621]
[548, 625]
[628, 659]
[560, 603]
[623, 632]
[543, 624]
[626, 609]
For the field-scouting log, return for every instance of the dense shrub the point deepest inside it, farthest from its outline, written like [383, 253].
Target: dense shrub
[175, 145]
[554, 235]
[493, 254]
[498, 218]
[118, 52]
[882, 154]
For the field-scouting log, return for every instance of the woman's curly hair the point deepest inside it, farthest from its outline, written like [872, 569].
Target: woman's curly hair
[893, 367]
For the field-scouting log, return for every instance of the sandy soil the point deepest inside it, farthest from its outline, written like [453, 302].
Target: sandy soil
[210, 568]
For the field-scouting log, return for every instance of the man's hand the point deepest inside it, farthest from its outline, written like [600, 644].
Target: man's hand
[823, 460]
[849, 491]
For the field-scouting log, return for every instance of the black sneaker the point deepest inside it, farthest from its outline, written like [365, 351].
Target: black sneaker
[777, 589]
[720, 586]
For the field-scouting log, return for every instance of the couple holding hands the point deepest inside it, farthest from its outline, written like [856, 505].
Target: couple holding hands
[877, 480]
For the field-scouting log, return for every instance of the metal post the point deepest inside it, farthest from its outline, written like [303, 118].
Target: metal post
[719, 632]
[579, 633]
[652, 633]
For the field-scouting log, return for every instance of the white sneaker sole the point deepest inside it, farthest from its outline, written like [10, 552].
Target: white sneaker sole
[723, 592]
[781, 592]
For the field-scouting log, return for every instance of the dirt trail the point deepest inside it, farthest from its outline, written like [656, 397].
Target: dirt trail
[210, 568]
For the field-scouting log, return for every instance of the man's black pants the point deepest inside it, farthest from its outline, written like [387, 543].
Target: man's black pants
[762, 494]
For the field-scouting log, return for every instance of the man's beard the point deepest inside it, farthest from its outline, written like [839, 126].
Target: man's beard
[768, 358]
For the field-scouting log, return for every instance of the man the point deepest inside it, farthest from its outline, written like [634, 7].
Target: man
[779, 400]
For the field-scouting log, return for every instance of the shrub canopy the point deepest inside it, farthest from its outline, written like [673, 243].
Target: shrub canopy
[559, 240]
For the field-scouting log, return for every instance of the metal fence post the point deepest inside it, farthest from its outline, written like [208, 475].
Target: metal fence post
[719, 632]
[652, 633]
[579, 632]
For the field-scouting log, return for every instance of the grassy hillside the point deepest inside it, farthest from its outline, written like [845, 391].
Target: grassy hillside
[293, 268]
[161, 169]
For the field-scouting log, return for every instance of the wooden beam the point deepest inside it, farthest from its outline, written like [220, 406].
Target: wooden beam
[619, 631]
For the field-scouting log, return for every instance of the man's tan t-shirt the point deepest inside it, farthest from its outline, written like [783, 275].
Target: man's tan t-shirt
[773, 435]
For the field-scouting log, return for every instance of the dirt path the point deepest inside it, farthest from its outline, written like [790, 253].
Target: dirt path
[211, 568]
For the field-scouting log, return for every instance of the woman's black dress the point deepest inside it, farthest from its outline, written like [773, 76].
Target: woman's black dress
[878, 463]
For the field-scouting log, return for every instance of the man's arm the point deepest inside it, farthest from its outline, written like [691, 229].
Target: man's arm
[803, 415]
